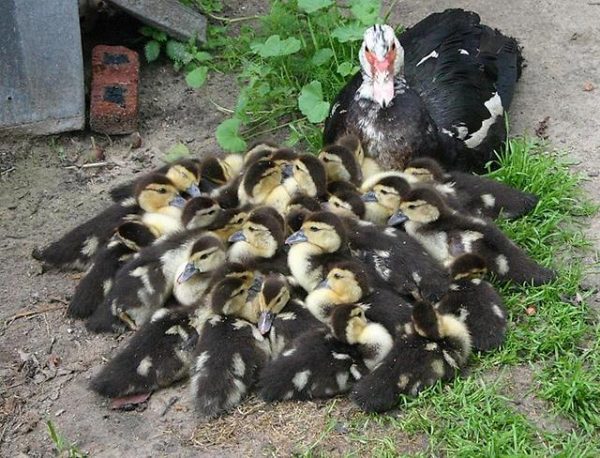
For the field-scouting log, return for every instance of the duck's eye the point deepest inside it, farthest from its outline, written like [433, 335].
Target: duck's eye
[337, 276]
[212, 212]
[161, 190]
[252, 229]
[298, 168]
[393, 46]
[337, 204]
[367, 49]
[384, 192]
[314, 229]
[204, 256]
[325, 159]
[412, 206]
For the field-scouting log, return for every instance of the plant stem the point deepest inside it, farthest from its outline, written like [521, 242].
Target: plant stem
[232, 20]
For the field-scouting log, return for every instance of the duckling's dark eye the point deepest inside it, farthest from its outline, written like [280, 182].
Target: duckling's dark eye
[212, 212]
[204, 256]
[162, 190]
[313, 229]
[384, 192]
[252, 229]
[337, 276]
[367, 49]
[325, 159]
[412, 206]
[337, 204]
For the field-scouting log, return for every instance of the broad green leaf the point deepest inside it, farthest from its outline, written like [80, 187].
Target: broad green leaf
[177, 51]
[275, 46]
[366, 11]
[346, 68]
[159, 36]
[146, 31]
[228, 135]
[322, 56]
[350, 32]
[202, 56]
[311, 102]
[196, 77]
[310, 6]
[177, 152]
[152, 50]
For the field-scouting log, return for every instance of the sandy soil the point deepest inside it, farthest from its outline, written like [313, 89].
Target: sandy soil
[46, 360]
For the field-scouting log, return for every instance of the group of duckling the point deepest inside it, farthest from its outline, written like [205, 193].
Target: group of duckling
[299, 276]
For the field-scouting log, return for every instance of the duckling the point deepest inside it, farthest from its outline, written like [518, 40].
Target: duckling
[475, 302]
[230, 352]
[129, 238]
[368, 165]
[144, 283]
[350, 325]
[305, 175]
[259, 241]
[348, 283]
[345, 202]
[314, 365]
[262, 185]
[340, 164]
[435, 347]
[298, 209]
[183, 173]
[229, 221]
[217, 172]
[396, 261]
[157, 355]
[320, 241]
[200, 212]
[382, 196]
[258, 151]
[158, 202]
[476, 194]
[281, 316]
[447, 234]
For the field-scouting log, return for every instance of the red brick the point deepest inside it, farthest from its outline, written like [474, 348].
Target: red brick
[114, 96]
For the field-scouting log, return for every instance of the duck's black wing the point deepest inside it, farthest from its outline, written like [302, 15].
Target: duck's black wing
[335, 124]
[465, 73]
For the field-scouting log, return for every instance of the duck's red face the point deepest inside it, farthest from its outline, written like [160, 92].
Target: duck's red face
[381, 57]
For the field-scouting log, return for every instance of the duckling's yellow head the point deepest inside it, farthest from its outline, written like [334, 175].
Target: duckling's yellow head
[322, 229]
[423, 205]
[229, 222]
[305, 175]
[185, 176]
[261, 235]
[425, 170]
[200, 212]
[206, 255]
[273, 297]
[348, 281]
[340, 164]
[261, 179]
[348, 321]
[233, 295]
[213, 172]
[156, 191]
[347, 203]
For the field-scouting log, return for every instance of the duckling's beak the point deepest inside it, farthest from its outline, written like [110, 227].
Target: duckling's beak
[189, 270]
[237, 237]
[178, 202]
[265, 321]
[369, 197]
[193, 190]
[324, 284]
[397, 218]
[296, 237]
[287, 171]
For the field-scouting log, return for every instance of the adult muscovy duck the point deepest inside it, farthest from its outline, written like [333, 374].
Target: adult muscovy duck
[441, 90]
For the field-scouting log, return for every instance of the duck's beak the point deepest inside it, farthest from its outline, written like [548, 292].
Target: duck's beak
[189, 270]
[193, 190]
[324, 285]
[369, 197]
[237, 237]
[287, 171]
[265, 321]
[178, 202]
[397, 218]
[296, 237]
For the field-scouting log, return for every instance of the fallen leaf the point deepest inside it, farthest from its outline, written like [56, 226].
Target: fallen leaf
[588, 87]
[129, 402]
[136, 140]
[530, 311]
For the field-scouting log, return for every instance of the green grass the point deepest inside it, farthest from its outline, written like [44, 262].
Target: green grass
[63, 447]
[559, 343]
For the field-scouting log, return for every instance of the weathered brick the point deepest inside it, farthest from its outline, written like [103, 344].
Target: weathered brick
[114, 96]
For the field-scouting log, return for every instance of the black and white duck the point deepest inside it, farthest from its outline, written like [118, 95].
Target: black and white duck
[439, 89]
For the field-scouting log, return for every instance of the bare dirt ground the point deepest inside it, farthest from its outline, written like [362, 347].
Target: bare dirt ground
[46, 360]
